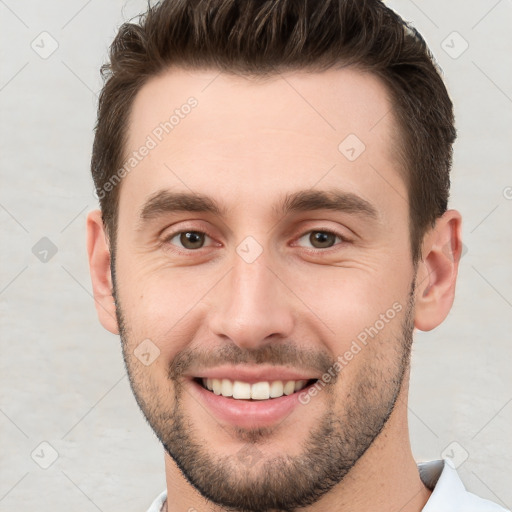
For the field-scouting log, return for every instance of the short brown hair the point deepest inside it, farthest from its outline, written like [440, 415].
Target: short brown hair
[264, 37]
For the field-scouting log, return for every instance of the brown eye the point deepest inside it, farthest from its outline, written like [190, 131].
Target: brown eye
[322, 239]
[189, 239]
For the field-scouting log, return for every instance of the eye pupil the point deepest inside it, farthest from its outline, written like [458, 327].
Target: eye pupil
[323, 238]
[191, 239]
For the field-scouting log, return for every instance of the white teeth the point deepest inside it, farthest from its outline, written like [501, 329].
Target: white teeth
[226, 388]
[260, 391]
[276, 389]
[289, 387]
[257, 391]
[299, 384]
[241, 390]
[217, 387]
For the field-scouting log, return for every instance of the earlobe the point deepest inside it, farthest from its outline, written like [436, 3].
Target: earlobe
[99, 265]
[437, 271]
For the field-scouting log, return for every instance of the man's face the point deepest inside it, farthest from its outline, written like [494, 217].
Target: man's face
[265, 290]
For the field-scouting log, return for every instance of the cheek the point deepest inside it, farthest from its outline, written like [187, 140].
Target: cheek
[163, 306]
[349, 300]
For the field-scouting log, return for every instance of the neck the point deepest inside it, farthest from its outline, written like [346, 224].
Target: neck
[385, 478]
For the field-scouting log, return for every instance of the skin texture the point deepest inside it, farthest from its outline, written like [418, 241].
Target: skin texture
[301, 303]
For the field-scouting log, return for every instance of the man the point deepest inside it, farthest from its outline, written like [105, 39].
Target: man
[273, 180]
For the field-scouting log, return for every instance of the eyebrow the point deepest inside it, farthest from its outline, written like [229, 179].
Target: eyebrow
[165, 201]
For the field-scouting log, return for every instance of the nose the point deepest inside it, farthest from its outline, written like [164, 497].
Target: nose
[252, 306]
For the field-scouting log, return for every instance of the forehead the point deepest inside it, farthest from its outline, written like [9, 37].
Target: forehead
[326, 104]
[242, 137]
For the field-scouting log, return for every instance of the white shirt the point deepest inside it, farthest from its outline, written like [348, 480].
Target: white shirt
[440, 476]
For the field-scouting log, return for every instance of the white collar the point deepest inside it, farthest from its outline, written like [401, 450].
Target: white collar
[448, 491]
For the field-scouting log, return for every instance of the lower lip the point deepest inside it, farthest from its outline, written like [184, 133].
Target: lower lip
[248, 413]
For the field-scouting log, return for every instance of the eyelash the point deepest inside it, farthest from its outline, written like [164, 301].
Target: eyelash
[343, 239]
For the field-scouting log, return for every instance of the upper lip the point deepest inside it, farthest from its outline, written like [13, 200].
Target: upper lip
[252, 374]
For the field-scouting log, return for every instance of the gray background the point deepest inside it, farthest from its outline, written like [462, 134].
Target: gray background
[62, 378]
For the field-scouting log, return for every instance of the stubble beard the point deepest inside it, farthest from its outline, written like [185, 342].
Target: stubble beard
[249, 482]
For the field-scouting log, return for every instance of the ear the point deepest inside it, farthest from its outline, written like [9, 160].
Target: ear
[99, 265]
[437, 271]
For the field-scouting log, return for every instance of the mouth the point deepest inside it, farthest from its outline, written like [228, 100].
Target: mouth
[247, 400]
[257, 391]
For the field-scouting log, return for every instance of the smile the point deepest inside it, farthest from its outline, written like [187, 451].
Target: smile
[264, 390]
[250, 396]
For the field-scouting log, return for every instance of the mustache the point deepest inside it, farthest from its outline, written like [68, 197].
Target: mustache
[274, 354]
